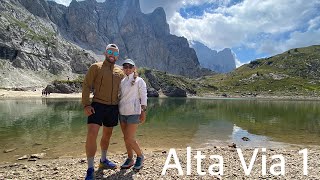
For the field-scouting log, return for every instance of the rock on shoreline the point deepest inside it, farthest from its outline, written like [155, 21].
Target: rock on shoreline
[74, 168]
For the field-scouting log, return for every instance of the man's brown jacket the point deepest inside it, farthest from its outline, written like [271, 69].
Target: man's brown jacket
[104, 79]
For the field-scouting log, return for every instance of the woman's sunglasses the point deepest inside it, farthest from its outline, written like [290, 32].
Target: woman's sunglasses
[127, 66]
[115, 53]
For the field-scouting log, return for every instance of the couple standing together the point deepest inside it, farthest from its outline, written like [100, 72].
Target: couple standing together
[118, 94]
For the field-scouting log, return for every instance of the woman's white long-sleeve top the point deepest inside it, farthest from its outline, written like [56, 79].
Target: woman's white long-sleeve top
[132, 96]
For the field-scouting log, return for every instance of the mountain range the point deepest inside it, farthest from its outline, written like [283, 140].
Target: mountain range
[145, 38]
[221, 62]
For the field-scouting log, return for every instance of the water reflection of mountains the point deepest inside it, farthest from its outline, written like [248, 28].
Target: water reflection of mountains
[43, 116]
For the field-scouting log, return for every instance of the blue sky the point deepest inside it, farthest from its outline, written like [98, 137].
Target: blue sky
[251, 28]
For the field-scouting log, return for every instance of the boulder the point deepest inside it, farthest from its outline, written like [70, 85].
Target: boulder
[174, 92]
[64, 87]
[152, 92]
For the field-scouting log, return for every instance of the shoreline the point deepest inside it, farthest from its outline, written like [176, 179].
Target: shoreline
[36, 94]
[74, 168]
[31, 94]
[258, 97]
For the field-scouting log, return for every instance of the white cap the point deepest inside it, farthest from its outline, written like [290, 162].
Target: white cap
[128, 61]
[109, 46]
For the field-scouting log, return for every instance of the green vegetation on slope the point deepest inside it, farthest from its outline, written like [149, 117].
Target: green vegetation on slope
[46, 38]
[295, 72]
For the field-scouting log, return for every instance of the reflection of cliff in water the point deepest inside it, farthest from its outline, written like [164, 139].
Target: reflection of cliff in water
[39, 120]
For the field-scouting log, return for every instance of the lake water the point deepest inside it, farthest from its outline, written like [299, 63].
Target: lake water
[58, 126]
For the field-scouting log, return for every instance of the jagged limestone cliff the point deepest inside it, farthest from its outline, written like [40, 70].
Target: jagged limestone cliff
[32, 52]
[145, 38]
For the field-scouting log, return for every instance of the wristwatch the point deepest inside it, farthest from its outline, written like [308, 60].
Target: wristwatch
[143, 108]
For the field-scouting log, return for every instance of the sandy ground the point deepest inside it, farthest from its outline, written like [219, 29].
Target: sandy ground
[289, 162]
[9, 94]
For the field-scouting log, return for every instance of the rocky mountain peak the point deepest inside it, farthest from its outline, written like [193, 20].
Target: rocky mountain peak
[160, 13]
[222, 61]
[226, 50]
[159, 21]
[73, 2]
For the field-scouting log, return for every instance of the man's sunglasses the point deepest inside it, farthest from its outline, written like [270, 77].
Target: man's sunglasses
[115, 53]
[127, 66]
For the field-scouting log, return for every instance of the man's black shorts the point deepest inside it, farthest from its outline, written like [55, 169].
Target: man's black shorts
[106, 115]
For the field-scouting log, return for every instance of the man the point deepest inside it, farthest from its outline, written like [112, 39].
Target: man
[104, 78]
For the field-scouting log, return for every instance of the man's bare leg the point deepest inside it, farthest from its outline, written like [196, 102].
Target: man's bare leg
[91, 144]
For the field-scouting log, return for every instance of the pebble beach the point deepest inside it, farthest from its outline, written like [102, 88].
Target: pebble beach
[74, 168]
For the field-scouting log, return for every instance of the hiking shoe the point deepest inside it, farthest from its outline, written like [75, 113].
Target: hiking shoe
[127, 164]
[107, 165]
[90, 174]
[139, 163]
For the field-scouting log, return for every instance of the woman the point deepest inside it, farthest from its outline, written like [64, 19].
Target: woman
[132, 106]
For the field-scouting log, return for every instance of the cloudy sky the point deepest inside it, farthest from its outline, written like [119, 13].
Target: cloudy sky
[251, 28]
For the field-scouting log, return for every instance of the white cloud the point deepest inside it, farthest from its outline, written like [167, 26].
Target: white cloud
[270, 16]
[67, 2]
[255, 24]
[295, 40]
[214, 30]
[63, 2]
[237, 61]
[314, 23]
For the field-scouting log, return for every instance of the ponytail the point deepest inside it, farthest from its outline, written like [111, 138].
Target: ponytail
[135, 75]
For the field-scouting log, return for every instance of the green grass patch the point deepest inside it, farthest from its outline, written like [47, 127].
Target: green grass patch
[46, 38]
[286, 72]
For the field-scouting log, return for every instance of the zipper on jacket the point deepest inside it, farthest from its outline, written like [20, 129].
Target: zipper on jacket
[100, 83]
[111, 83]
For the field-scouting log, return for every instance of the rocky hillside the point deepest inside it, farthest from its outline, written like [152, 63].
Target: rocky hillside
[295, 72]
[145, 38]
[158, 83]
[32, 52]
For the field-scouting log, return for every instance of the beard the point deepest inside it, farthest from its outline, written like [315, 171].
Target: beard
[111, 61]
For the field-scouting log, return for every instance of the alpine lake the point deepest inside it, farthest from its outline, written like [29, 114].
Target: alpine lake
[58, 127]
